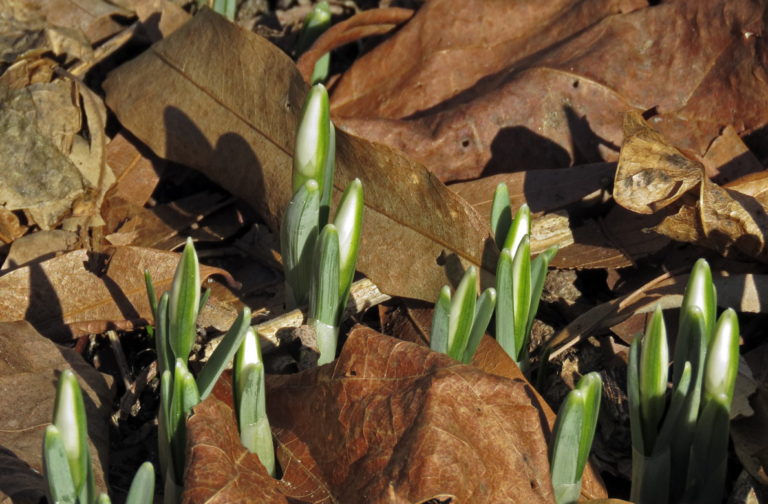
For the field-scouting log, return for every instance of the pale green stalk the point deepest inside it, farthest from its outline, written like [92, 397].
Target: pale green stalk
[680, 436]
[312, 139]
[184, 303]
[501, 215]
[175, 330]
[572, 437]
[250, 401]
[324, 298]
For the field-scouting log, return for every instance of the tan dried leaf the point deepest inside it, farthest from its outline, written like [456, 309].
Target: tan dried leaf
[239, 130]
[651, 174]
[72, 295]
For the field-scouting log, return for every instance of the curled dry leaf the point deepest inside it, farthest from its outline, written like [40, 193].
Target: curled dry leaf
[480, 88]
[388, 421]
[29, 370]
[239, 130]
[652, 175]
[72, 294]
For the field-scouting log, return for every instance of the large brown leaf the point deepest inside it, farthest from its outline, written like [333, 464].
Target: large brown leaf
[388, 421]
[238, 128]
[653, 174]
[497, 86]
[412, 322]
[29, 369]
[73, 295]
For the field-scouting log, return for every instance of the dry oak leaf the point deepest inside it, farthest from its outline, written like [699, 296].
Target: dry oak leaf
[29, 368]
[653, 174]
[387, 422]
[490, 86]
[73, 294]
[239, 128]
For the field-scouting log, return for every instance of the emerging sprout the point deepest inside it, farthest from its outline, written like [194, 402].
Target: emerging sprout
[680, 435]
[458, 324]
[66, 460]
[250, 400]
[573, 435]
[519, 281]
[317, 21]
[175, 328]
[309, 209]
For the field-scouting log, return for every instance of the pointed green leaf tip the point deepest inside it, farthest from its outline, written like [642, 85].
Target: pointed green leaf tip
[312, 139]
[69, 418]
[184, 303]
[700, 292]
[349, 223]
[501, 214]
[462, 314]
[654, 362]
[723, 359]
[521, 227]
[142, 489]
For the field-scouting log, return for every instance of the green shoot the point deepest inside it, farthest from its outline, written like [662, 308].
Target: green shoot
[680, 434]
[334, 269]
[309, 209]
[175, 328]
[250, 401]
[458, 324]
[316, 22]
[142, 490]
[573, 435]
[66, 460]
[519, 281]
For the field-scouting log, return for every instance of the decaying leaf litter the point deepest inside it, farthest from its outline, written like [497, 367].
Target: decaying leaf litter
[638, 143]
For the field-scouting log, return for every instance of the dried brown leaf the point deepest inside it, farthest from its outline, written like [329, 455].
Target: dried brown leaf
[729, 159]
[10, 226]
[543, 190]
[36, 247]
[29, 370]
[506, 87]
[72, 295]
[412, 322]
[239, 130]
[652, 174]
[388, 422]
[93, 17]
[38, 126]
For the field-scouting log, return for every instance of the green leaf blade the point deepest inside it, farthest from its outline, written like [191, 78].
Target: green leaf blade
[184, 302]
[224, 353]
[462, 314]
